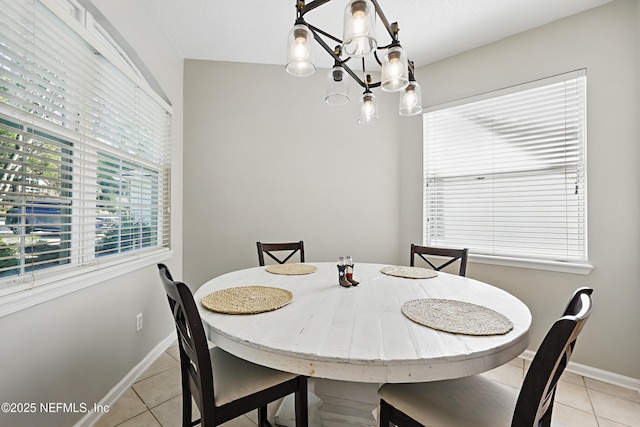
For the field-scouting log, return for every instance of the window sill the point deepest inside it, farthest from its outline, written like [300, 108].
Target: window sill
[558, 266]
[23, 300]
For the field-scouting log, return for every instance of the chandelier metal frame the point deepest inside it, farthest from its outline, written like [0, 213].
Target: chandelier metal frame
[392, 29]
[360, 17]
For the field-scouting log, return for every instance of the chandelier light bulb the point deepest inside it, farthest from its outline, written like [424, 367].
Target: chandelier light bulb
[359, 19]
[300, 52]
[395, 67]
[368, 108]
[410, 98]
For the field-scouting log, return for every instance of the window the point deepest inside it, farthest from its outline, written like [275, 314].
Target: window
[84, 151]
[504, 173]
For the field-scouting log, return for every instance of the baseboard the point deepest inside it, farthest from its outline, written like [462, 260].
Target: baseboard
[118, 390]
[595, 373]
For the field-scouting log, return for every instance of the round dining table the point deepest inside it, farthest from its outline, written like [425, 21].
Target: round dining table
[351, 340]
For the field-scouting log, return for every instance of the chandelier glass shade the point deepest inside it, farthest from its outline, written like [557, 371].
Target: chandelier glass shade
[410, 99]
[368, 109]
[359, 41]
[300, 60]
[337, 86]
[395, 70]
[359, 28]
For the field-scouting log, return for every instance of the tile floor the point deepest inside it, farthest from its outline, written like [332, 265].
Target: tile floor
[154, 399]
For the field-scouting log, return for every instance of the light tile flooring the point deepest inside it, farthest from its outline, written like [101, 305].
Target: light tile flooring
[155, 401]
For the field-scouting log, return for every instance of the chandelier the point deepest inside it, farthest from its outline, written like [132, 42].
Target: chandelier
[358, 42]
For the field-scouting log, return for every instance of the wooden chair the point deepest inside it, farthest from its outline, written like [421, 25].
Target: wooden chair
[240, 386]
[267, 248]
[477, 401]
[452, 254]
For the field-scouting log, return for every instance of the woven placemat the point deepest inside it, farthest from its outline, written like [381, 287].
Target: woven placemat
[247, 299]
[409, 272]
[291, 269]
[457, 317]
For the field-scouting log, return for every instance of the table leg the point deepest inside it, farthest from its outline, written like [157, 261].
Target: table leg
[346, 403]
[334, 404]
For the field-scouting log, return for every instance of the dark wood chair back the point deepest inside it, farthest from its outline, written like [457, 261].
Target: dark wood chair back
[268, 248]
[198, 375]
[535, 401]
[195, 362]
[453, 255]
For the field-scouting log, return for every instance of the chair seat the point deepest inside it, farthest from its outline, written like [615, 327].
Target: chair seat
[236, 378]
[466, 402]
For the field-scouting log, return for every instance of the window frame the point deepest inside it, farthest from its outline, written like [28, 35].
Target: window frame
[513, 260]
[15, 295]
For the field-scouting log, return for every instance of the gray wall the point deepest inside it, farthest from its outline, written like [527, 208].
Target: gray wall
[267, 160]
[605, 42]
[76, 348]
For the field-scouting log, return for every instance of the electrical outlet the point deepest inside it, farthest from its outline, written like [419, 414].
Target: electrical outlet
[138, 322]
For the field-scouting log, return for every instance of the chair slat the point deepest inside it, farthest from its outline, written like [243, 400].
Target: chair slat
[453, 255]
[269, 248]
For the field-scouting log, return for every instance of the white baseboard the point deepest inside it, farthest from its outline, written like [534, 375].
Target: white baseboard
[595, 373]
[114, 394]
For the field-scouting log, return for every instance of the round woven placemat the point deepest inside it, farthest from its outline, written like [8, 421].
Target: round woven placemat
[247, 299]
[409, 272]
[457, 317]
[291, 269]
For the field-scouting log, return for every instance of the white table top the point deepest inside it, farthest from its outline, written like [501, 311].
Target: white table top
[359, 333]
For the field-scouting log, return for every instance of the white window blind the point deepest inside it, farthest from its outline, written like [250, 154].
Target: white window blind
[504, 173]
[84, 153]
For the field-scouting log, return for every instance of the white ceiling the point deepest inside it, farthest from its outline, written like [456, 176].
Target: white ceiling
[255, 31]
